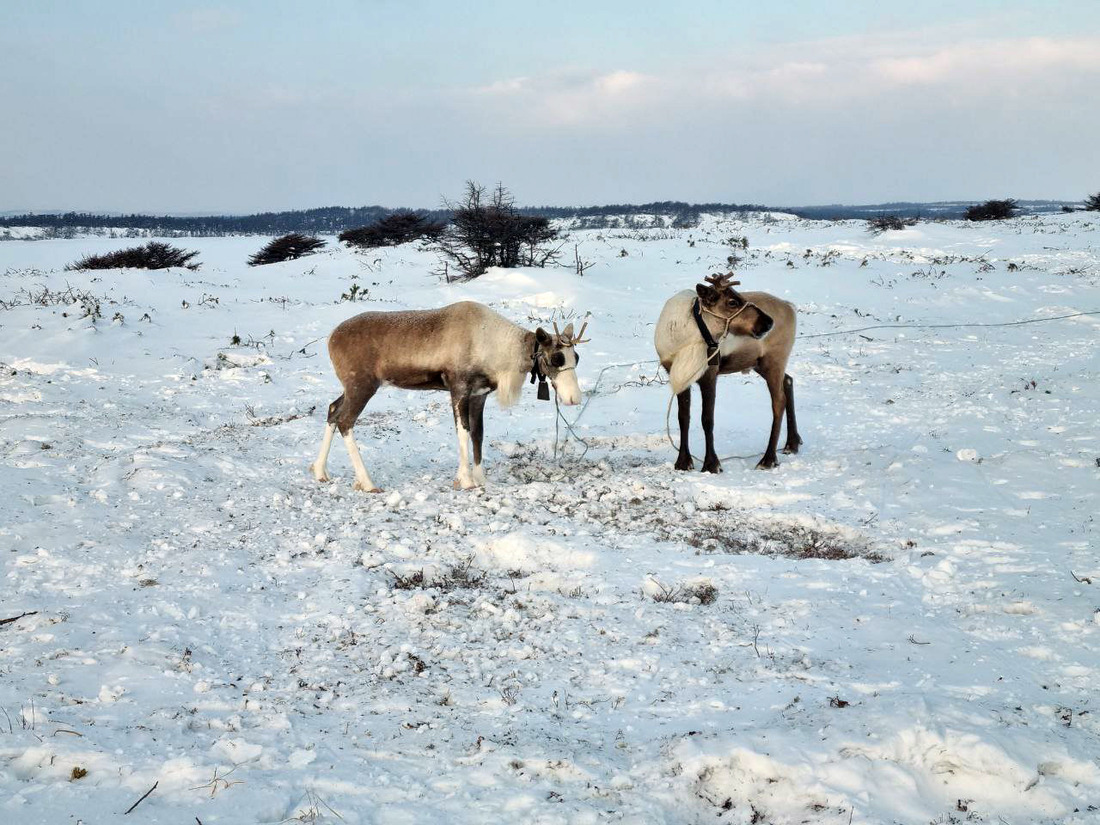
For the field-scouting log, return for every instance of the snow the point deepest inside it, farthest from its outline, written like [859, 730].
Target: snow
[899, 624]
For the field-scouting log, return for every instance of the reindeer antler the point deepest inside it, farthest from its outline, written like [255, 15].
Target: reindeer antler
[721, 280]
[572, 340]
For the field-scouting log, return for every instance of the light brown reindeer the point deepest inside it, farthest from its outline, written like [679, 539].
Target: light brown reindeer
[465, 348]
[716, 330]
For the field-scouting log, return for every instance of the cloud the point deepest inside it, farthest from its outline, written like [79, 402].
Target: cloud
[206, 20]
[825, 74]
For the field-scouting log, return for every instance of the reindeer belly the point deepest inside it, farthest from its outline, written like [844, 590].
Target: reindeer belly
[417, 379]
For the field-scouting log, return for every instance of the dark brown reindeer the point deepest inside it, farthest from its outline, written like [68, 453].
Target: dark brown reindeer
[465, 348]
[716, 330]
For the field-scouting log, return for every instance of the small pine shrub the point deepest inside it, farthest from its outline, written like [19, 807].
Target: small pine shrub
[1092, 203]
[153, 255]
[393, 230]
[287, 248]
[884, 223]
[993, 210]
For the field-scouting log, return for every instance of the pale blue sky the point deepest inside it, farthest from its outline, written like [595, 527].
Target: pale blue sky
[175, 106]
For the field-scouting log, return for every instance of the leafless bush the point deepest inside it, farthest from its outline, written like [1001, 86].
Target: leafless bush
[883, 223]
[700, 592]
[1092, 203]
[457, 576]
[487, 230]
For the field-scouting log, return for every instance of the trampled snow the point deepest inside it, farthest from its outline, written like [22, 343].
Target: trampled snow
[899, 624]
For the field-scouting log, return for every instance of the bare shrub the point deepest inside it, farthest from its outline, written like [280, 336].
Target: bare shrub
[153, 255]
[456, 577]
[289, 247]
[487, 230]
[696, 593]
[884, 223]
[393, 230]
[1092, 203]
[993, 210]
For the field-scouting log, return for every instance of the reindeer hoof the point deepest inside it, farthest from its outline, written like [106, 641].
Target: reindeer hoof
[321, 476]
[464, 484]
[365, 489]
[714, 466]
[790, 449]
[767, 463]
[683, 463]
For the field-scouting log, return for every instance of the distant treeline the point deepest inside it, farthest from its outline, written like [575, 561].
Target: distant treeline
[909, 209]
[336, 219]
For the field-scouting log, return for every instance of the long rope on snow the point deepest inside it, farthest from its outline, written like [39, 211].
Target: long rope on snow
[952, 326]
[569, 425]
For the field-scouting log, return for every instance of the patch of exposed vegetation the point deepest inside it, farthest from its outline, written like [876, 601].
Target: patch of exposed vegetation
[153, 255]
[394, 230]
[289, 247]
[456, 577]
[884, 223]
[994, 210]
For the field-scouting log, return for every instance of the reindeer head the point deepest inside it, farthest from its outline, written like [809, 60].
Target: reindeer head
[557, 358]
[719, 298]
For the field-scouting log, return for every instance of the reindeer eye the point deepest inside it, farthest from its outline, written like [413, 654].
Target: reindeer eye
[557, 359]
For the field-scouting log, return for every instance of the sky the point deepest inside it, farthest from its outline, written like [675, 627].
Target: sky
[178, 107]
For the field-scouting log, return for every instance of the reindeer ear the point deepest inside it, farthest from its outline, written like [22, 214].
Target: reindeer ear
[567, 333]
[707, 294]
[543, 337]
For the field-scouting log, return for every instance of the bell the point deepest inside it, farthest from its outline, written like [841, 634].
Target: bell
[544, 391]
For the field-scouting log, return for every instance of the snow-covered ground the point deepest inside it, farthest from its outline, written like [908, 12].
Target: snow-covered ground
[903, 623]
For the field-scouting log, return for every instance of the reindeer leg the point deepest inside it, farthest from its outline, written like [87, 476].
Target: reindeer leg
[318, 467]
[794, 440]
[775, 387]
[344, 413]
[683, 414]
[460, 403]
[477, 431]
[708, 386]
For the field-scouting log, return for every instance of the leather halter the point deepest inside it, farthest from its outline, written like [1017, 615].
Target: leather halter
[697, 310]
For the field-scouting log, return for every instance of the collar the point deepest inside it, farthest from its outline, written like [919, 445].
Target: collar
[537, 373]
[697, 314]
[697, 310]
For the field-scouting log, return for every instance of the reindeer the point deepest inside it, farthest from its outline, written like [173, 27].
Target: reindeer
[465, 348]
[715, 331]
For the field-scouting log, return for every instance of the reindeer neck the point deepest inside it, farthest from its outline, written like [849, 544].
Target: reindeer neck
[527, 350]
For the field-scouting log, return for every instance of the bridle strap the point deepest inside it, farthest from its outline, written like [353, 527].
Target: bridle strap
[697, 309]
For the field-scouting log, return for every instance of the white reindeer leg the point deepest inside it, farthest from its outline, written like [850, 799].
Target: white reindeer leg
[362, 477]
[463, 479]
[318, 467]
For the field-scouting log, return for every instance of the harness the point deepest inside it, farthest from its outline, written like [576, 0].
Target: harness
[537, 373]
[697, 310]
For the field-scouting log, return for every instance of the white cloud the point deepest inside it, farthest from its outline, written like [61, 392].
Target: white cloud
[828, 73]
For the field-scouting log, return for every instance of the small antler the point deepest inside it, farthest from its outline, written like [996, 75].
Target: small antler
[721, 280]
[571, 340]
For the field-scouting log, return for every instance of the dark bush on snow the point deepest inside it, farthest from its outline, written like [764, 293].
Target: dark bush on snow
[393, 230]
[993, 210]
[488, 230]
[287, 248]
[1092, 203]
[882, 223]
[153, 255]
